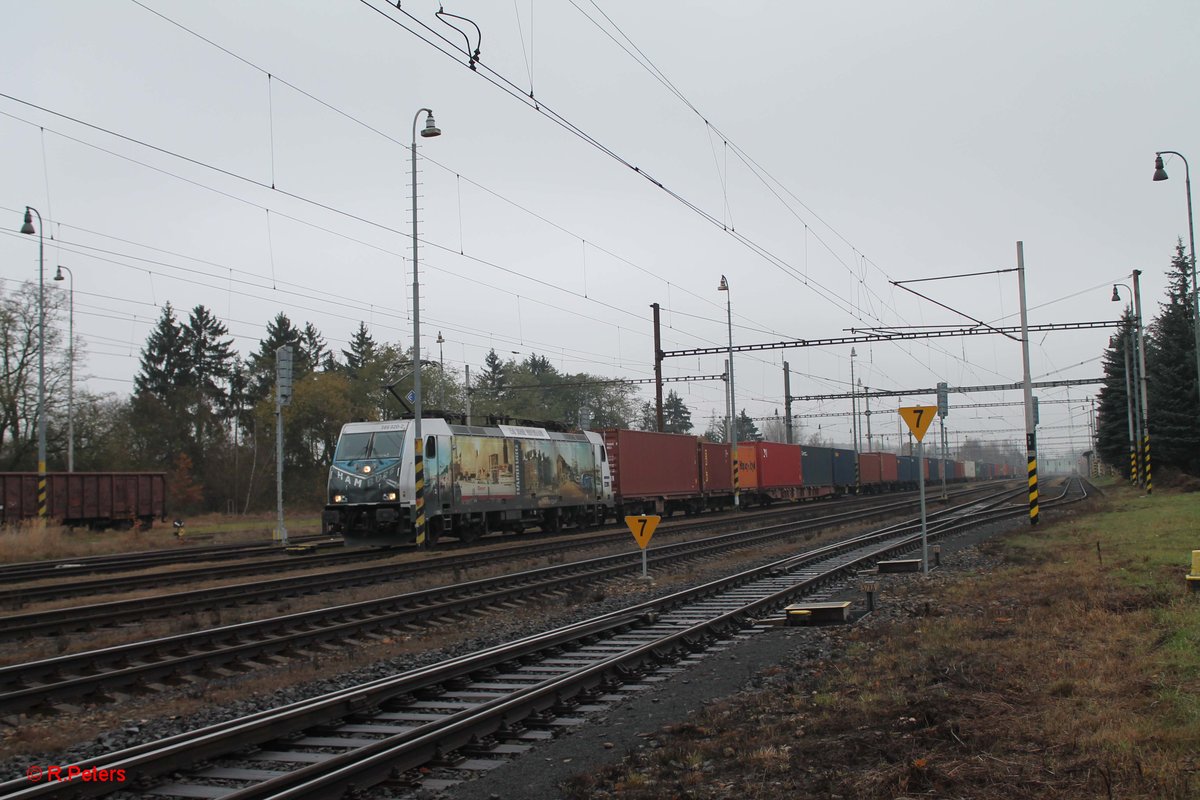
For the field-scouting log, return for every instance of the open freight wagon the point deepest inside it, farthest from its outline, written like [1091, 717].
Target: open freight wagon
[95, 500]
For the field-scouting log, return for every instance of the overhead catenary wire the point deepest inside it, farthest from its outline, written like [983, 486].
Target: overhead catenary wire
[460, 247]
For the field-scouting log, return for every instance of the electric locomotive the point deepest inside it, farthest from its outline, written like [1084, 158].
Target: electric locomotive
[477, 480]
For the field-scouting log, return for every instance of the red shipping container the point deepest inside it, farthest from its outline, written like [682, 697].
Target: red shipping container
[651, 464]
[779, 465]
[716, 471]
[747, 466]
[869, 469]
[889, 466]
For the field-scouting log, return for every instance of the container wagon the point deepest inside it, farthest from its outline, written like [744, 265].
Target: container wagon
[879, 472]
[780, 474]
[653, 473]
[845, 478]
[95, 500]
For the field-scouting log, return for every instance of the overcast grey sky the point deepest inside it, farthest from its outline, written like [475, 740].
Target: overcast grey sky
[810, 152]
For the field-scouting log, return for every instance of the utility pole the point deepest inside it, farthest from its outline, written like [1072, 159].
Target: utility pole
[787, 401]
[658, 381]
[1137, 303]
[867, 400]
[468, 394]
[283, 397]
[1030, 435]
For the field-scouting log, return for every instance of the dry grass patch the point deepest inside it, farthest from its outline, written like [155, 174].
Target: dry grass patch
[39, 541]
[1051, 678]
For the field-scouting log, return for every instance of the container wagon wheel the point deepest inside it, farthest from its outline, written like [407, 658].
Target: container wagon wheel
[470, 532]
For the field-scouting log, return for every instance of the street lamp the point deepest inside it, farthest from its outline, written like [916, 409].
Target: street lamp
[1135, 355]
[28, 228]
[1160, 174]
[429, 130]
[58, 276]
[1140, 347]
[733, 439]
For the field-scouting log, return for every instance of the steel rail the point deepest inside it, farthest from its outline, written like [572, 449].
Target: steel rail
[86, 617]
[115, 562]
[22, 595]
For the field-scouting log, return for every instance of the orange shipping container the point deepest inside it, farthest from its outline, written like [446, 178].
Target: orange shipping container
[747, 466]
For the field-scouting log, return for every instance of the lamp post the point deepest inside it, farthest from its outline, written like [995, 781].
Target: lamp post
[1144, 412]
[1132, 401]
[27, 228]
[429, 130]
[1160, 174]
[58, 276]
[733, 439]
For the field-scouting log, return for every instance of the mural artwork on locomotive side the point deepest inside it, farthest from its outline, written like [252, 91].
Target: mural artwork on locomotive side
[550, 472]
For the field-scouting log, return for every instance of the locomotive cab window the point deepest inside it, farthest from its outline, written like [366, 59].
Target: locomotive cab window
[431, 447]
[377, 444]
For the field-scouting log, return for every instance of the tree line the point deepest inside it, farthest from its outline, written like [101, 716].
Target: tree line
[205, 414]
[1173, 405]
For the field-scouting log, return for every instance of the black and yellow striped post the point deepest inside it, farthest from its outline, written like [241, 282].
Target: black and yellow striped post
[1031, 455]
[1133, 461]
[736, 469]
[41, 490]
[419, 487]
[1146, 464]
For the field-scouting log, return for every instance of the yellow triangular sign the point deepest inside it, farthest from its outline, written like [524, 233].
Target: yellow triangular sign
[919, 418]
[642, 528]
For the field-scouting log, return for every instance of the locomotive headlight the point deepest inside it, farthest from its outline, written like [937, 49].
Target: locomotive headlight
[389, 495]
[339, 498]
[366, 469]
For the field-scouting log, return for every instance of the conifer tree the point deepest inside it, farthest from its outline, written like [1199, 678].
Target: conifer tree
[165, 365]
[677, 417]
[1112, 410]
[362, 351]
[1171, 368]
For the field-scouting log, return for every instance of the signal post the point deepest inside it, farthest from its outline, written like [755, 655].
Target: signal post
[919, 418]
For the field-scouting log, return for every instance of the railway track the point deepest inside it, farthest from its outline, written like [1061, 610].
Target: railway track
[62, 621]
[465, 713]
[124, 562]
[95, 675]
[19, 596]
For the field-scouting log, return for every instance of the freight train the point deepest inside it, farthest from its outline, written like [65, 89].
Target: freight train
[94, 500]
[480, 480]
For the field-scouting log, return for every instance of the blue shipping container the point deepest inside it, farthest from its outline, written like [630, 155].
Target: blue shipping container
[844, 467]
[816, 466]
[908, 469]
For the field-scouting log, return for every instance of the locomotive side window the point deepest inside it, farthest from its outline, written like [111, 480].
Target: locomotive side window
[431, 447]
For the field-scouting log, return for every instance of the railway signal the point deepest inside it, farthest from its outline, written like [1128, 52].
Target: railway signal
[642, 528]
